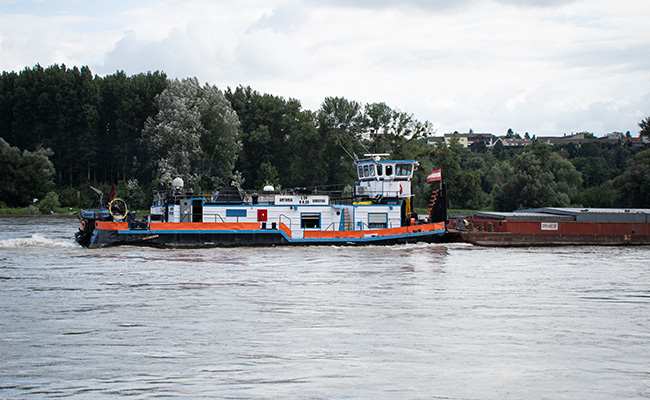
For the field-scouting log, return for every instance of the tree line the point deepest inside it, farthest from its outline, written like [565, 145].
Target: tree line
[64, 129]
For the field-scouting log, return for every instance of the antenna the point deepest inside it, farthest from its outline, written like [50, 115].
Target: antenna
[348, 153]
[376, 156]
[101, 196]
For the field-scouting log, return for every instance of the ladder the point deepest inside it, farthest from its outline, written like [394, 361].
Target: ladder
[346, 220]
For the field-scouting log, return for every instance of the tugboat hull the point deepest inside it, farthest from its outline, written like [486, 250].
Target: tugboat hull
[250, 234]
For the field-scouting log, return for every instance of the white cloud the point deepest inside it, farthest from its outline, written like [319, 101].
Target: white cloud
[546, 67]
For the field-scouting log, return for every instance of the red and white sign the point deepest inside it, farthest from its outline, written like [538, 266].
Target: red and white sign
[434, 176]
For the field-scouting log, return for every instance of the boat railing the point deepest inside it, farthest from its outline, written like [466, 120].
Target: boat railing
[280, 220]
[165, 197]
[365, 227]
[215, 216]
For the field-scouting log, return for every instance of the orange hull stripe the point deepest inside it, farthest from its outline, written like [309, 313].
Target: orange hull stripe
[379, 232]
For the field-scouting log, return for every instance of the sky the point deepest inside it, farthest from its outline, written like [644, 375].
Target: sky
[546, 67]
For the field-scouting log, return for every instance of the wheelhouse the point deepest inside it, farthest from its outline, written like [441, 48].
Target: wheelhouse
[383, 179]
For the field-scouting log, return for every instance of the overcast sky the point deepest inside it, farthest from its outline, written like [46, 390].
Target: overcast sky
[546, 67]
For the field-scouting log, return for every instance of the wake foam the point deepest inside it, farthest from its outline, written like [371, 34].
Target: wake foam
[35, 241]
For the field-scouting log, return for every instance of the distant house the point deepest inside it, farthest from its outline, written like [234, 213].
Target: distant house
[465, 139]
[514, 142]
[613, 137]
[580, 138]
[635, 141]
[432, 140]
[575, 138]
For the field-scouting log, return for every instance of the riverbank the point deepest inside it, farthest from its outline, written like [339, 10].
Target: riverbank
[33, 210]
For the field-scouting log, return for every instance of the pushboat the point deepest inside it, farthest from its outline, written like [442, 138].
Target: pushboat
[378, 211]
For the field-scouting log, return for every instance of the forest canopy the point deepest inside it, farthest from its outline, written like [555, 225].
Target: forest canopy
[64, 129]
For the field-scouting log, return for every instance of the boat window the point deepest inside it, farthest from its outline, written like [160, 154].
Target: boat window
[403, 169]
[360, 171]
[377, 220]
[366, 173]
[389, 170]
[379, 170]
[237, 212]
[372, 170]
[310, 221]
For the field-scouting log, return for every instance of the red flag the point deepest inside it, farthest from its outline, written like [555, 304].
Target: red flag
[112, 195]
[434, 176]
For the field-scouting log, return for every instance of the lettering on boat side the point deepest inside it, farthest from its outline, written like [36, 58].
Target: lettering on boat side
[549, 226]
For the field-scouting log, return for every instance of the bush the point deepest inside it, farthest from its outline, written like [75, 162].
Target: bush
[135, 195]
[31, 209]
[47, 205]
[68, 197]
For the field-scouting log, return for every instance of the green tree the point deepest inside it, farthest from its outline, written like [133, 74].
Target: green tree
[194, 134]
[499, 150]
[597, 197]
[126, 103]
[568, 181]
[268, 176]
[271, 128]
[340, 123]
[528, 187]
[308, 166]
[462, 186]
[634, 185]
[10, 160]
[24, 176]
[593, 169]
[645, 127]
[394, 132]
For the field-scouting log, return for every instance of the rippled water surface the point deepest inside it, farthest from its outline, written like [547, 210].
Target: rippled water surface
[407, 322]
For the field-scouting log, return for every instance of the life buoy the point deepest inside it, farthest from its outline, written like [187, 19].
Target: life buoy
[83, 224]
[118, 209]
[401, 189]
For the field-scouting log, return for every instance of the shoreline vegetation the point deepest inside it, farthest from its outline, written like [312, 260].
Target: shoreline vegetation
[64, 129]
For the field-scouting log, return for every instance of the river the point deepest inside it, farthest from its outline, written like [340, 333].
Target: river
[426, 321]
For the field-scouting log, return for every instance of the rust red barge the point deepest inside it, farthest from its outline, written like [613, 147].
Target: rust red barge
[553, 227]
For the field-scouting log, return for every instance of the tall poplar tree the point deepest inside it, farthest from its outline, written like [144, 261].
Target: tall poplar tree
[194, 135]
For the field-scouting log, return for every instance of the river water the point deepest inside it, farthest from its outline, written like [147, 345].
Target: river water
[399, 322]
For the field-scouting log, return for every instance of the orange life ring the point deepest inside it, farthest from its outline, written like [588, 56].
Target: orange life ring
[83, 224]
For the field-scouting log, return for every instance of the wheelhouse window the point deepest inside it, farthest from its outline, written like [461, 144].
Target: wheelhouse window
[389, 170]
[310, 221]
[366, 171]
[377, 220]
[403, 169]
[380, 171]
